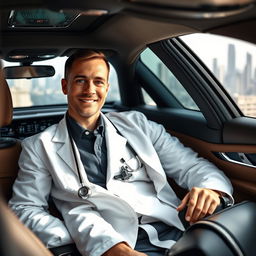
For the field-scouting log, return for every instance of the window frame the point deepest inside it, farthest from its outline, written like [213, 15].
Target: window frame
[236, 108]
[212, 100]
[169, 97]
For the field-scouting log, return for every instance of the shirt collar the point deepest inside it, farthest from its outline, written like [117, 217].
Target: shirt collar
[77, 130]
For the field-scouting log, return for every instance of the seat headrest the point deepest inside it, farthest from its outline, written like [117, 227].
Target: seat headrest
[5, 100]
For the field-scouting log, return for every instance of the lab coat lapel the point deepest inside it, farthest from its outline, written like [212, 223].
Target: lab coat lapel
[64, 149]
[144, 149]
[116, 149]
[148, 156]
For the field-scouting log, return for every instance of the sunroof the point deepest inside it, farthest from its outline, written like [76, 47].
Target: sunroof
[41, 18]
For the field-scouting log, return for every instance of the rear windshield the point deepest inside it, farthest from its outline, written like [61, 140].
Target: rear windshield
[47, 91]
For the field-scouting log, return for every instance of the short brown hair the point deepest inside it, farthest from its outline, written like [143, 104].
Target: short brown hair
[86, 54]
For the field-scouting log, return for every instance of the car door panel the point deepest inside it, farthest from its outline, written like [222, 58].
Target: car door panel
[230, 134]
[243, 178]
[184, 121]
[240, 130]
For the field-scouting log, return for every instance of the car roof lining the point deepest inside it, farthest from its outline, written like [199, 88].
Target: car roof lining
[113, 34]
[116, 31]
[243, 30]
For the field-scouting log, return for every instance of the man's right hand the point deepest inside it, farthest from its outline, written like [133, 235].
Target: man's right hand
[122, 249]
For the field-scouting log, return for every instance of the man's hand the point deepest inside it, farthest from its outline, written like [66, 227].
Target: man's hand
[122, 249]
[201, 202]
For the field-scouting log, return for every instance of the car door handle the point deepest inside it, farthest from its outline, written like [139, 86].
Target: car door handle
[245, 159]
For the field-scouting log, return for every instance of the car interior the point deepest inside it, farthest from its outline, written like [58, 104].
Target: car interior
[129, 31]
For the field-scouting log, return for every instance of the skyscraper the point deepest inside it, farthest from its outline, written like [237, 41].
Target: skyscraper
[231, 69]
[247, 82]
[215, 68]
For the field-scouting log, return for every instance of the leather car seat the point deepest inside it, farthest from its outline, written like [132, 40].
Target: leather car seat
[10, 148]
[18, 240]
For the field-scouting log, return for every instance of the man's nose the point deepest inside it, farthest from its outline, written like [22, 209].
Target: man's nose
[89, 87]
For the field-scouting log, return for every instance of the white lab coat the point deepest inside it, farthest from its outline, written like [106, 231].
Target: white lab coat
[104, 219]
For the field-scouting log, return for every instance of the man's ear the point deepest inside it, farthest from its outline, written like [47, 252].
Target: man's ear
[108, 86]
[64, 85]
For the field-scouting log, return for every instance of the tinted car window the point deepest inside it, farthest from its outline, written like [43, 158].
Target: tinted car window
[168, 79]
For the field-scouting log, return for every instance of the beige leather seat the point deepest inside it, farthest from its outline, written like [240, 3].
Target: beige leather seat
[9, 147]
[15, 239]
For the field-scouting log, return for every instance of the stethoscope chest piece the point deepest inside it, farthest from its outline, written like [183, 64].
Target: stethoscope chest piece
[84, 192]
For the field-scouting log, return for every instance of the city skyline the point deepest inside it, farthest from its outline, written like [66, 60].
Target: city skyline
[215, 52]
[240, 83]
[235, 80]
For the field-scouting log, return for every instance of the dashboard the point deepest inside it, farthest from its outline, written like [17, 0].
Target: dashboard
[27, 122]
[21, 129]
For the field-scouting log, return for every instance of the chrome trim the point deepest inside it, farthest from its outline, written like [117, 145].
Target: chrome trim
[223, 156]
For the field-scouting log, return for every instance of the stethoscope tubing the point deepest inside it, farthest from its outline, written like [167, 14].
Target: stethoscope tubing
[131, 169]
[84, 191]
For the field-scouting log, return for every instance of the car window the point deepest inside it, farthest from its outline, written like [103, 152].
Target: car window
[47, 91]
[233, 62]
[151, 60]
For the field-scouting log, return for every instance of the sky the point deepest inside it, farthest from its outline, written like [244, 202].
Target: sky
[208, 46]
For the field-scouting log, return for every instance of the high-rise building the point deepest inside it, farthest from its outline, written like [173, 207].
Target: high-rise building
[247, 77]
[231, 69]
[231, 65]
[215, 68]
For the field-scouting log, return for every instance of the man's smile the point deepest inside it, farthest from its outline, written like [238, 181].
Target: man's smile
[88, 100]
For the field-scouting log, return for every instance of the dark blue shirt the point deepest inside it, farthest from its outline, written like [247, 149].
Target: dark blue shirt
[92, 149]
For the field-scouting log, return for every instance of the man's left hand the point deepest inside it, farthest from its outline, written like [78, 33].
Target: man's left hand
[201, 202]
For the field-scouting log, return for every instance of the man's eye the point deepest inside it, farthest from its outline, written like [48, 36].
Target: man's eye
[99, 83]
[80, 81]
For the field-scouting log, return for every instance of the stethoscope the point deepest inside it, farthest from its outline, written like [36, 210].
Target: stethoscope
[84, 191]
[126, 169]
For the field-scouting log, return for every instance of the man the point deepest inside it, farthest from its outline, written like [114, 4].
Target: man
[108, 174]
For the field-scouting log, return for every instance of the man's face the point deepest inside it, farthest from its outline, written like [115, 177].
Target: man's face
[86, 87]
